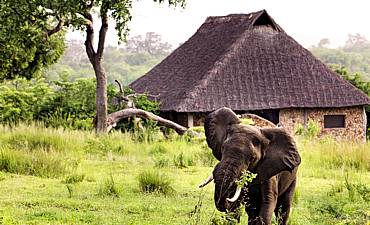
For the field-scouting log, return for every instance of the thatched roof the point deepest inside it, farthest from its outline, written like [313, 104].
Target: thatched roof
[245, 62]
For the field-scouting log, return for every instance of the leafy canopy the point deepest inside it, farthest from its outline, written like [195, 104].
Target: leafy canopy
[25, 45]
[32, 30]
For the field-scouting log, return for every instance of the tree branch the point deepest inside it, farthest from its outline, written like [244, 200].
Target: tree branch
[89, 43]
[102, 35]
[120, 86]
[57, 28]
[115, 117]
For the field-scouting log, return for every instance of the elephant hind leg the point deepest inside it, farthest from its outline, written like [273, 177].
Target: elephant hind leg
[283, 205]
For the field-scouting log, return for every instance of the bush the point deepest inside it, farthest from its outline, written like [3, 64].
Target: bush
[312, 130]
[152, 181]
[22, 100]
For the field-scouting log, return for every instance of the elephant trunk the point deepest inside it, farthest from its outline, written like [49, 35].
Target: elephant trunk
[225, 174]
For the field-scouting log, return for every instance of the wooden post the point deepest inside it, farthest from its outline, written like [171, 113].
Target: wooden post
[365, 122]
[190, 120]
[305, 118]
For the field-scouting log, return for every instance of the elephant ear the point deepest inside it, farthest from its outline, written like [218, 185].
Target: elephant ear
[280, 154]
[216, 125]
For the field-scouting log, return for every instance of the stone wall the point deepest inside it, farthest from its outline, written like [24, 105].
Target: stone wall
[355, 120]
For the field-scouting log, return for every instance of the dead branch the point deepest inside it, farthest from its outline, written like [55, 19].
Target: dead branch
[119, 86]
[121, 100]
[258, 120]
[115, 117]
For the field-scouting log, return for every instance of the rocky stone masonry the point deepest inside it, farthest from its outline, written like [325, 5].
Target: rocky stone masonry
[355, 120]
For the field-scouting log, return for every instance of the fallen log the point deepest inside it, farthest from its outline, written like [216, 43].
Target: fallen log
[258, 121]
[115, 117]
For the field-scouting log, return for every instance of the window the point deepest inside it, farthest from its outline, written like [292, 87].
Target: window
[334, 121]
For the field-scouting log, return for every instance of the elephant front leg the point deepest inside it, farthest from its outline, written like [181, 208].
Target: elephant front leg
[252, 215]
[269, 195]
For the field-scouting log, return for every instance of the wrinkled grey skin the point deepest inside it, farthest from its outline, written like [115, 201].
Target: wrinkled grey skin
[269, 152]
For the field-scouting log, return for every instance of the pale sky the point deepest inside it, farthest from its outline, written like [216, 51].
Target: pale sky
[306, 21]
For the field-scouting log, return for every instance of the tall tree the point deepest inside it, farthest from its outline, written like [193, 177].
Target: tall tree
[79, 15]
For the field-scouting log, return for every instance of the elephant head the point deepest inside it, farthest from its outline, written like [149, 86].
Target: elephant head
[241, 147]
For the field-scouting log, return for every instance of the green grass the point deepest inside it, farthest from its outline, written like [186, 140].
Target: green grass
[101, 180]
[36, 163]
[152, 181]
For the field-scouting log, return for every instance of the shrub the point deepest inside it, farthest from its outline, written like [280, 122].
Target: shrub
[109, 188]
[22, 100]
[312, 130]
[152, 181]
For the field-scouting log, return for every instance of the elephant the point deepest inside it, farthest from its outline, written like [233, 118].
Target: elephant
[271, 153]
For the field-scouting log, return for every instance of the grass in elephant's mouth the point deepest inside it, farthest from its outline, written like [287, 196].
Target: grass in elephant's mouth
[333, 185]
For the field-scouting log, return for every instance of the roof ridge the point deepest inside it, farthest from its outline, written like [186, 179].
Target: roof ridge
[211, 19]
[219, 62]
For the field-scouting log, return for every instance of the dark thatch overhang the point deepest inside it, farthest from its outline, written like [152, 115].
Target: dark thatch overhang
[245, 62]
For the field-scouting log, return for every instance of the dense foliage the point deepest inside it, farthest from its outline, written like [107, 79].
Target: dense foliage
[27, 44]
[61, 103]
[355, 79]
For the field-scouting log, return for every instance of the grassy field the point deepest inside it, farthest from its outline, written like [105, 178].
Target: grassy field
[51, 176]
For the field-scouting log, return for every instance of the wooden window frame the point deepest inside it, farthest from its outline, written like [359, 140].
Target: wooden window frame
[334, 121]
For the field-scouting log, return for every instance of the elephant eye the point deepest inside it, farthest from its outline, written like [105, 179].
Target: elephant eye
[256, 142]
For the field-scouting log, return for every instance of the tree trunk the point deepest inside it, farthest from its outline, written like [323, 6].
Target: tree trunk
[95, 58]
[101, 98]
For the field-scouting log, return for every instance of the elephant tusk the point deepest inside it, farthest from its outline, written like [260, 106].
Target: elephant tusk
[236, 196]
[206, 181]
